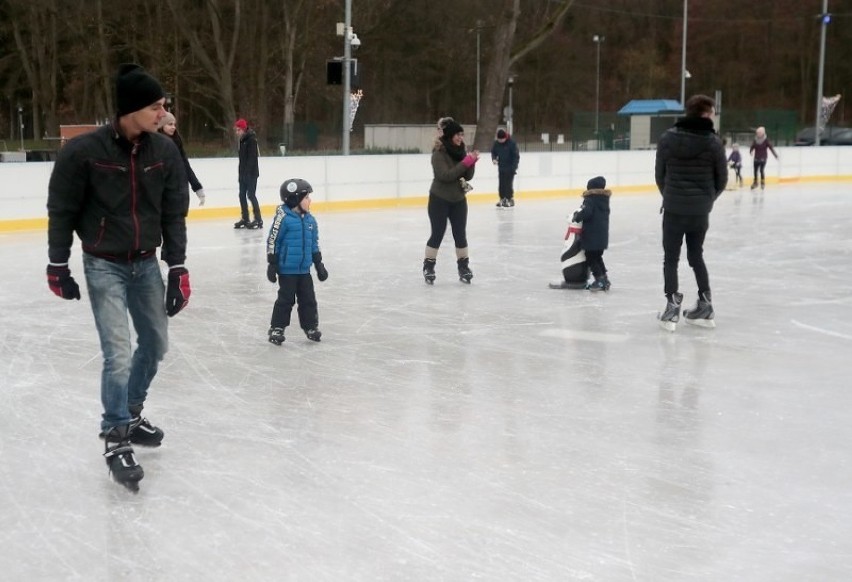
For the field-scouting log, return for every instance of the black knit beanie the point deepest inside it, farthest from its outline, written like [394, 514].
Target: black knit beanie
[451, 129]
[598, 183]
[135, 89]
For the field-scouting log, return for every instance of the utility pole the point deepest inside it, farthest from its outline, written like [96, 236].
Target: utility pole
[347, 79]
[824, 19]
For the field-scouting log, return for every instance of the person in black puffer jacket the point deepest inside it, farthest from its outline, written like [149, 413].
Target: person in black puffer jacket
[594, 214]
[691, 172]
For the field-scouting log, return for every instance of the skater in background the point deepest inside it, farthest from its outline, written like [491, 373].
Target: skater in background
[758, 150]
[691, 172]
[248, 174]
[168, 126]
[121, 217]
[292, 247]
[736, 162]
[505, 155]
[594, 214]
[447, 198]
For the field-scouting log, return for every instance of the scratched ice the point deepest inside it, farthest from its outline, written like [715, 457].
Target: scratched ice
[497, 431]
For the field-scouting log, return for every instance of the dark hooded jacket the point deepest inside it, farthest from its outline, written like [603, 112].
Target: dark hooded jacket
[691, 169]
[594, 214]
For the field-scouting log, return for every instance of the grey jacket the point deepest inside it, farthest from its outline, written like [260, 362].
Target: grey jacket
[447, 172]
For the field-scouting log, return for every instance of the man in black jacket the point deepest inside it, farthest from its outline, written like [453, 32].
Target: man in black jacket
[691, 172]
[248, 174]
[123, 190]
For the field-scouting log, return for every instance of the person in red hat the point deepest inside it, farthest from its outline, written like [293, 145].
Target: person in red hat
[248, 174]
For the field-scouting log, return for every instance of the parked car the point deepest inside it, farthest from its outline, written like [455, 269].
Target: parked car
[829, 136]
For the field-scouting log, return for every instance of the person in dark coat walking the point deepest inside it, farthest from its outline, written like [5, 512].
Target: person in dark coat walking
[594, 214]
[248, 175]
[691, 172]
[168, 127]
[505, 155]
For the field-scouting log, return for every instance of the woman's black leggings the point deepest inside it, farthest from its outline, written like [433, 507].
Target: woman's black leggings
[439, 212]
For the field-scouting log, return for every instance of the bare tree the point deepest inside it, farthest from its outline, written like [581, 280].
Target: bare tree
[505, 52]
[35, 33]
[216, 52]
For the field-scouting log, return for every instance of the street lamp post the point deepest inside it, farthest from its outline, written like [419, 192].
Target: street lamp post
[478, 65]
[347, 79]
[21, 124]
[825, 18]
[683, 72]
[598, 40]
[509, 121]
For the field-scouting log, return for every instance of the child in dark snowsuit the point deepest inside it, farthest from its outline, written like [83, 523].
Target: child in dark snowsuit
[594, 214]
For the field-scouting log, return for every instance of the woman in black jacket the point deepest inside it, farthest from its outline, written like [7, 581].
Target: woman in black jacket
[168, 127]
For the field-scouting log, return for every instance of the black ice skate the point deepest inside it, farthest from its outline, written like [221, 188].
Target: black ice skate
[255, 224]
[702, 314]
[465, 274]
[142, 432]
[276, 335]
[671, 315]
[599, 284]
[429, 270]
[754, 185]
[120, 459]
[313, 334]
[242, 223]
[762, 185]
[510, 202]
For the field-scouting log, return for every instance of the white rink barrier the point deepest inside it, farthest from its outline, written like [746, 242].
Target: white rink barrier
[389, 180]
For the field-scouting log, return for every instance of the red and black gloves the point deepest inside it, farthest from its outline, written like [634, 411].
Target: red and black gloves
[61, 282]
[272, 268]
[322, 273]
[178, 291]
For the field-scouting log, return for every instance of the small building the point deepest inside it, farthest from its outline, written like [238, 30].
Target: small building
[649, 118]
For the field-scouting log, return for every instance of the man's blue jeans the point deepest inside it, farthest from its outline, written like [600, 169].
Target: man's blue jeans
[116, 289]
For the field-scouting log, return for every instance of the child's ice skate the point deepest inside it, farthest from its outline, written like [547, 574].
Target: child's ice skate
[702, 314]
[276, 335]
[599, 284]
[671, 314]
[313, 334]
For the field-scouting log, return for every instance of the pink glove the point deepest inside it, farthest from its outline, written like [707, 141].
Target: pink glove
[469, 160]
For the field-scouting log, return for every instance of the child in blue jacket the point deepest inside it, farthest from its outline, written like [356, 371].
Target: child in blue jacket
[291, 248]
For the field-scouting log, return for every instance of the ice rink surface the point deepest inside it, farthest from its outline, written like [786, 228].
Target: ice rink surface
[501, 431]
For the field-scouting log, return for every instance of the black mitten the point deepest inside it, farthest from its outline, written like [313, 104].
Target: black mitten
[178, 291]
[322, 272]
[272, 268]
[62, 283]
